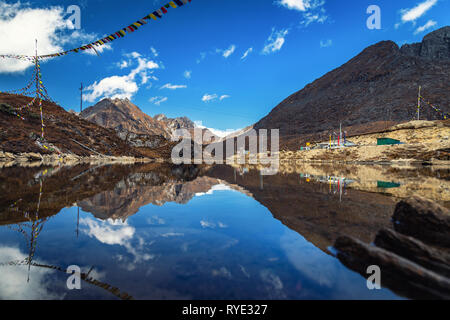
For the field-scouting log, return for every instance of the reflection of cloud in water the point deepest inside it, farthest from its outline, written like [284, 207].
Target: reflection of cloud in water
[222, 272]
[118, 233]
[212, 225]
[326, 270]
[308, 259]
[230, 243]
[94, 273]
[217, 187]
[274, 283]
[155, 220]
[244, 271]
[172, 234]
[185, 247]
[13, 279]
[109, 231]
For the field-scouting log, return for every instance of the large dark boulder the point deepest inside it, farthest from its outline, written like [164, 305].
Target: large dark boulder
[423, 219]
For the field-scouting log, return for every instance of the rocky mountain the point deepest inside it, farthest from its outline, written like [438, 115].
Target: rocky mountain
[175, 123]
[64, 132]
[380, 84]
[134, 126]
[122, 115]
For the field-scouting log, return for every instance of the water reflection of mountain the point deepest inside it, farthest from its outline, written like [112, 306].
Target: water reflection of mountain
[311, 209]
[431, 182]
[140, 189]
[55, 188]
[319, 209]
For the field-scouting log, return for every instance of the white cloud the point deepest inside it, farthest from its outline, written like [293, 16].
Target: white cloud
[143, 66]
[209, 97]
[311, 17]
[246, 53]
[154, 52]
[158, 100]
[226, 53]
[300, 5]
[212, 97]
[187, 74]
[207, 224]
[411, 15]
[428, 25]
[123, 64]
[112, 87]
[202, 57]
[123, 86]
[275, 41]
[173, 86]
[20, 25]
[133, 55]
[80, 37]
[313, 10]
[229, 51]
[326, 44]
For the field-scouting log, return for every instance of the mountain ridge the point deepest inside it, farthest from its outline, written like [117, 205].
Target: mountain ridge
[380, 84]
[136, 127]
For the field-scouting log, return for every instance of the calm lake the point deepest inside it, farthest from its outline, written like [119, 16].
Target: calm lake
[158, 231]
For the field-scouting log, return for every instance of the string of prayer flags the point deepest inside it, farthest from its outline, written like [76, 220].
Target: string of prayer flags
[436, 108]
[155, 15]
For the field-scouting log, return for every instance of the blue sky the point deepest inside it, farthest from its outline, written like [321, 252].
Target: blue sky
[191, 62]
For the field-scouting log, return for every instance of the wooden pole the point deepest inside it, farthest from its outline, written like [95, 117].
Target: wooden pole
[418, 103]
[81, 98]
[261, 181]
[37, 70]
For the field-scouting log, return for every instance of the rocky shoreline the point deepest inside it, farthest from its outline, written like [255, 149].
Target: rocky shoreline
[31, 159]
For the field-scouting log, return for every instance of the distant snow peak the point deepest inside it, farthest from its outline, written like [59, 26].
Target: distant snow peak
[217, 132]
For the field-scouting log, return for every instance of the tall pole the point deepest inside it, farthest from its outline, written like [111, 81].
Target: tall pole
[418, 103]
[78, 220]
[38, 88]
[37, 70]
[81, 98]
[261, 181]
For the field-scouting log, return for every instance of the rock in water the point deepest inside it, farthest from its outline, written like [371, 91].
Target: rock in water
[398, 274]
[414, 250]
[424, 220]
